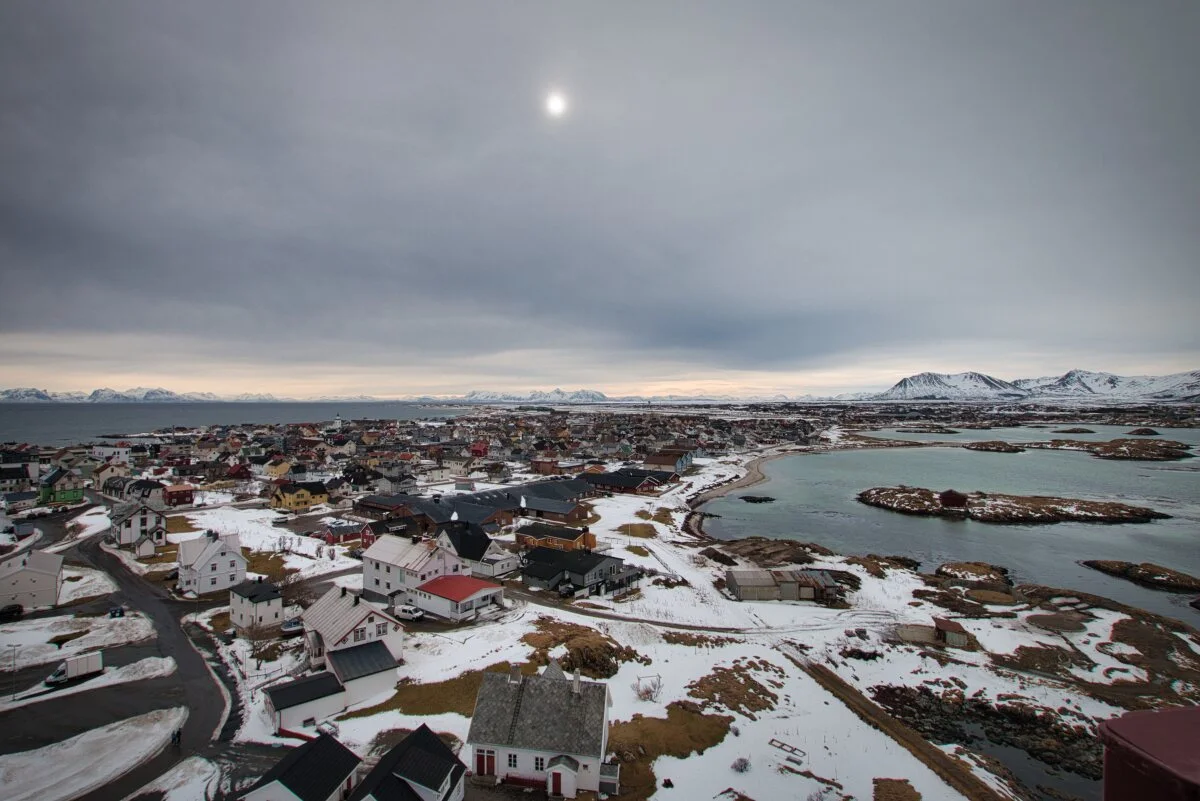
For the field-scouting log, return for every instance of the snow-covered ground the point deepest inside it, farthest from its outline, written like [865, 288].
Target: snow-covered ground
[140, 568]
[32, 637]
[90, 584]
[89, 760]
[93, 521]
[193, 779]
[149, 668]
[309, 555]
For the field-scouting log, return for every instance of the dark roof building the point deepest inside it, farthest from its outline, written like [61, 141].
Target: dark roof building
[257, 592]
[301, 691]
[420, 767]
[311, 772]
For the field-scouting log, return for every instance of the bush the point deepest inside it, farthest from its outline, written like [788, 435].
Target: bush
[741, 765]
[648, 690]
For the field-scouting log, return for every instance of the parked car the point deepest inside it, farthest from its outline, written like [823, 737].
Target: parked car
[355, 553]
[174, 574]
[407, 612]
[11, 612]
[292, 627]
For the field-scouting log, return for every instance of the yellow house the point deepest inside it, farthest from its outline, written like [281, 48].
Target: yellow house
[299, 497]
[277, 468]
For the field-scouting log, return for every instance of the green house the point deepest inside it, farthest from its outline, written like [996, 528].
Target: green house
[60, 486]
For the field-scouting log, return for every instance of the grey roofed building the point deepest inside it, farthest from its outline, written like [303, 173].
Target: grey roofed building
[257, 592]
[470, 541]
[303, 690]
[541, 713]
[420, 759]
[357, 661]
[312, 771]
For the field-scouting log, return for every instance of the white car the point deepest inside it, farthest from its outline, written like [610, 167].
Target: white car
[406, 612]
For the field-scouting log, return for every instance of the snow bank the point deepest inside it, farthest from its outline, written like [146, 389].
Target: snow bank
[32, 637]
[83, 763]
[193, 778]
[91, 584]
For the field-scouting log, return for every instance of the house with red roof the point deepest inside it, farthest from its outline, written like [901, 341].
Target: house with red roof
[456, 598]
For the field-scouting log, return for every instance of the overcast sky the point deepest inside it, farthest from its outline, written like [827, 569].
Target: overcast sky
[329, 198]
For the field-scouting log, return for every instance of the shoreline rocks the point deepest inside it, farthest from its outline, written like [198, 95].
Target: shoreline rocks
[1074, 431]
[994, 446]
[1143, 432]
[758, 499]
[1147, 574]
[1004, 509]
[1144, 450]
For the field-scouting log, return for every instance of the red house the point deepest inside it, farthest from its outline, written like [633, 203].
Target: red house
[240, 472]
[179, 495]
[479, 448]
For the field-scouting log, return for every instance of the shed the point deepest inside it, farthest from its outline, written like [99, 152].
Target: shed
[302, 702]
[752, 585]
[951, 633]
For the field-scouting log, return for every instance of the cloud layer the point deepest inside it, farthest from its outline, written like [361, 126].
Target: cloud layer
[305, 197]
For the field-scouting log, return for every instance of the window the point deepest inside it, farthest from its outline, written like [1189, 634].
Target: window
[232, 563]
[512, 761]
[376, 582]
[213, 581]
[387, 568]
[232, 577]
[539, 764]
[381, 629]
[214, 567]
[389, 585]
[360, 634]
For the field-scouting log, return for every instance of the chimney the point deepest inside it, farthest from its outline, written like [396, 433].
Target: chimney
[514, 675]
[260, 578]
[343, 592]
[416, 538]
[585, 529]
[575, 683]
[356, 600]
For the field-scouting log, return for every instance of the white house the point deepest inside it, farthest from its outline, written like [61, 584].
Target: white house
[341, 619]
[456, 597]
[31, 579]
[118, 452]
[210, 563]
[130, 521]
[320, 770]
[419, 766]
[394, 566]
[546, 728]
[481, 555]
[256, 606]
[365, 670]
[301, 703]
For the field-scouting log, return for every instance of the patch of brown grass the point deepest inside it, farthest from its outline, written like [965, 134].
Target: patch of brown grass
[73, 578]
[991, 597]
[219, 621]
[596, 655]
[61, 639]
[894, 790]
[638, 550]
[180, 524]
[663, 515]
[268, 563]
[439, 697]
[643, 514]
[696, 640]
[735, 689]
[167, 553]
[638, 742]
[642, 530]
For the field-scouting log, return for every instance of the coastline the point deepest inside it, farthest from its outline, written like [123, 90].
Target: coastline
[693, 523]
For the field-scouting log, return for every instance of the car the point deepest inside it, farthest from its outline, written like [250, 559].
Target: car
[11, 612]
[407, 612]
[355, 553]
[292, 627]
[174, 574]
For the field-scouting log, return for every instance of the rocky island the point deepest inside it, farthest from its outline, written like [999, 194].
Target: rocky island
[1147, 574]
[1145, 450]
[1074, 431]
[1000, 508]
[994, 446]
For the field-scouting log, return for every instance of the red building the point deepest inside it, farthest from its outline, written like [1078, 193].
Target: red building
[1152, 755]
[179, 495]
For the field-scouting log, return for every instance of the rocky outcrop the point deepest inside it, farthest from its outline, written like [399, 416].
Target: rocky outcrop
[980, 572]
[1145, 450]
[1147, 574]
[999, 508]
[1143, 432]
[1074, 431]
[994, 446]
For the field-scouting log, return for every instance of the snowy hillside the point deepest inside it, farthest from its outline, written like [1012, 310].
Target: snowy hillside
[1085, 384]
[553, 396]
[956, 386]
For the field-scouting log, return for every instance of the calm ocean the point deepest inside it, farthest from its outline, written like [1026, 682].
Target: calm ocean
[815, 502]
[69, 423]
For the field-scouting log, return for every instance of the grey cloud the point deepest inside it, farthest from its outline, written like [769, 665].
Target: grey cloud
[765, 187]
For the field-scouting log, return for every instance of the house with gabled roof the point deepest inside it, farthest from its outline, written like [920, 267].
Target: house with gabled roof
[211, 562]
[342, 619]
[547, 730]
[419, 768]
[481, 555]
[581, 572]
[133, 521]
[256, 606]
[61, 485]
[299, 497]
[321, 769]
[560, 538]
[456, 598]
[31, 579]
[394, 566]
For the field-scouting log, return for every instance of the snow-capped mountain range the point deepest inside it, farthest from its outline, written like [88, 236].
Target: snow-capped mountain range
[1072, 385]
[969, 386]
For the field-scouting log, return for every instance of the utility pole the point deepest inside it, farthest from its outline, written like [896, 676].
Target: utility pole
[13, 684]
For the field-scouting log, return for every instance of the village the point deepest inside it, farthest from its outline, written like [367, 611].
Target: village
[516, 601]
